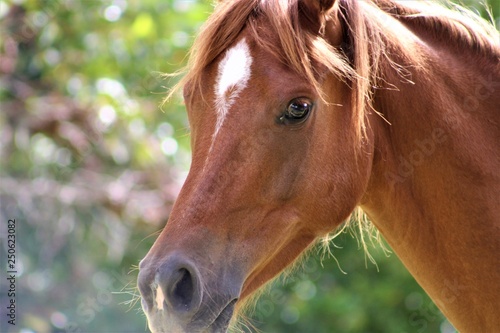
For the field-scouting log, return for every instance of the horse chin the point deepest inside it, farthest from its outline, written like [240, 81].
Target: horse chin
[161, 321]
[221, 323]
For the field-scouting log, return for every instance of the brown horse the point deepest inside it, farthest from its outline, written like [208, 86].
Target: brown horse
[303, 110]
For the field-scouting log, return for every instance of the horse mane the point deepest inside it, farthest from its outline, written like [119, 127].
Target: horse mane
[358, 60]
[458, 26]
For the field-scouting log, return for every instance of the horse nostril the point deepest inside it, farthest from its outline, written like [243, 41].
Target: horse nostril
[182, 291]
[179, 281]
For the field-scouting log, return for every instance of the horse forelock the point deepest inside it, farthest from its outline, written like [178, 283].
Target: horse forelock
[297, 48]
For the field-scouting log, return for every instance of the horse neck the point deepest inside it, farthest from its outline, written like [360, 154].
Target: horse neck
[434, 190]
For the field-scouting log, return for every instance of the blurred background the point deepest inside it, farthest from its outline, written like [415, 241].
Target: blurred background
[91, 162]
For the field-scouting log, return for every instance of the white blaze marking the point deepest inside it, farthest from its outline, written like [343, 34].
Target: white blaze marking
[232, 78]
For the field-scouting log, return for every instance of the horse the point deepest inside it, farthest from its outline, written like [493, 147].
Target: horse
[303, 111]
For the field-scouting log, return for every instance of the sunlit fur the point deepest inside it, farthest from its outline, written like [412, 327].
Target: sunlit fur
[363, 65]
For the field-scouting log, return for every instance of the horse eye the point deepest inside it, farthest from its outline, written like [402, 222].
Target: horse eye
[297, 111]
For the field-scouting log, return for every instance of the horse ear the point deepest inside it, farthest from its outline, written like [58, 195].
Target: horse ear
[316, 12]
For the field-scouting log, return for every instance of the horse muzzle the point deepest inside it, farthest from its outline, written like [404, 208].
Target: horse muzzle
[178, 298]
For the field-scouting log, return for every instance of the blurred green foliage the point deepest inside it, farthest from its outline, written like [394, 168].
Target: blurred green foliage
[90, 164]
